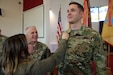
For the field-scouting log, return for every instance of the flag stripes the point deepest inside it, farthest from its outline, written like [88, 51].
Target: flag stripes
[59, 27]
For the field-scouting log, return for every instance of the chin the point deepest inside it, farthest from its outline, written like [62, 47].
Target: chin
[71, 22]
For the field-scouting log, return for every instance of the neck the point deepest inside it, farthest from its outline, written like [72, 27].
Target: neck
[76, 26]
[34, 43]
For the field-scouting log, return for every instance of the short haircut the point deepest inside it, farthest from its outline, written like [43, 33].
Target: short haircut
[27, 29]
[79, 5]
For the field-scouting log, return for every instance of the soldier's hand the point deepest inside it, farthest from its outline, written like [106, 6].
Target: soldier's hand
[65, 35]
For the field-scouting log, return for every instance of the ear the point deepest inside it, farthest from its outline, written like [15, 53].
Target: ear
[82, 14]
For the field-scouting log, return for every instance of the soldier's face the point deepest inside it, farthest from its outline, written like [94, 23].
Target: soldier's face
[74, 14]
[32, 35]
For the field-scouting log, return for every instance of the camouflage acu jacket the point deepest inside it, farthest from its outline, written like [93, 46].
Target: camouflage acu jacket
[41, 51]
[83, 46]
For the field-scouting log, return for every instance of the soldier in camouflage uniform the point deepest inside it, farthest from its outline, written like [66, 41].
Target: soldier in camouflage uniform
[41, 51]
[84, 46]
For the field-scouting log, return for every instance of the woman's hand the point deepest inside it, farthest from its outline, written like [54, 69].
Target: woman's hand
[65, 35]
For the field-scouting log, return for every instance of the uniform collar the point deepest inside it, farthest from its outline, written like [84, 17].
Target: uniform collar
[82, 28]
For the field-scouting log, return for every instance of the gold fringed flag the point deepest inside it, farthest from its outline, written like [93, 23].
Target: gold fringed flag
[87, 14]
[107, 30]
[107, 34]
[59, 27]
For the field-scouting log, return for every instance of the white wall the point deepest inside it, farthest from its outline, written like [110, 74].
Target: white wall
[11, 21]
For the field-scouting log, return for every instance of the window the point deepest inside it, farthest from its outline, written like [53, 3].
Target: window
[102, 13]
[98, 13]
[94, 14]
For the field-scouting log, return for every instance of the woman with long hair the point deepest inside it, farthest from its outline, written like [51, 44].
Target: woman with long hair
[16, 61]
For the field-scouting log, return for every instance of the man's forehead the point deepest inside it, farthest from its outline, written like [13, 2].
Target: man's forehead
[31, 30]
[72, 6]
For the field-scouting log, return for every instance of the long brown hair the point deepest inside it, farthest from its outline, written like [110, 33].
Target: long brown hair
[13, 48]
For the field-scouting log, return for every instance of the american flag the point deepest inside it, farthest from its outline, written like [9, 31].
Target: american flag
[59, 27]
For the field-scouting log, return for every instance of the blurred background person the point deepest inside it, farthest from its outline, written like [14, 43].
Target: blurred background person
[40, 51]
